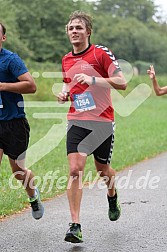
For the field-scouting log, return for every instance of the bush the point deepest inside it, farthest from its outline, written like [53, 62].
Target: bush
[142, 66]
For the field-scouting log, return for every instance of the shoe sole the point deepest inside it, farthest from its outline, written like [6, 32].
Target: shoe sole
[73, 239]
[114, 219]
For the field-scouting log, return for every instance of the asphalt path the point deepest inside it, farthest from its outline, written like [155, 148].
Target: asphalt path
[141, 227]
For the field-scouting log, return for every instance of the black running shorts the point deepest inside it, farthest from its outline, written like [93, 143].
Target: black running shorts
[14, 137]
[90, 137]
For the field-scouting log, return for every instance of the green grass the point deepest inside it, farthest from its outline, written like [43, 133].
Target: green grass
[139, 136]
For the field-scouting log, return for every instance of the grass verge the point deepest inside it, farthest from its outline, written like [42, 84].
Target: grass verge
[139, 136]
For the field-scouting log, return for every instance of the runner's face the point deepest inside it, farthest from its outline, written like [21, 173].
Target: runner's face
[77, 32]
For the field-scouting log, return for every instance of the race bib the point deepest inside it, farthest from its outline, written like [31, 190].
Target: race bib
[84, 102]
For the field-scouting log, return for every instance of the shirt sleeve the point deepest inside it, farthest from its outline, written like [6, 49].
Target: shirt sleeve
[17, 66]
[110, 64]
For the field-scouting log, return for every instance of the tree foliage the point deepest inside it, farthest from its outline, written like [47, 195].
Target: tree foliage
[43, 26]
[8, 18]
[36, 29]
[142, 10]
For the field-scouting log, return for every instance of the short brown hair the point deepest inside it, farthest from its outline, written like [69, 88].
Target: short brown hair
[82, 16]
[3, 28]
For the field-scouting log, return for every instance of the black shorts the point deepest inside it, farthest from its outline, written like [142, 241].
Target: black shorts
[14, 137]
[91, 137]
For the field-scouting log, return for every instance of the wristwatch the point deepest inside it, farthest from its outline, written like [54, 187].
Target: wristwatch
[93, 80]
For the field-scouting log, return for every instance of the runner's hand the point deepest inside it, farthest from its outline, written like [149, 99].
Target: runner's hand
[83, 78]
[151, 72]
[62, 97]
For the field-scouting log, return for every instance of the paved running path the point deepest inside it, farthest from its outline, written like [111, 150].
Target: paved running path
[142, 226]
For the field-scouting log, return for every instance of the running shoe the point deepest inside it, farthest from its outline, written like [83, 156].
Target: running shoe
[114, 211]
[74, 233]
[37, 207]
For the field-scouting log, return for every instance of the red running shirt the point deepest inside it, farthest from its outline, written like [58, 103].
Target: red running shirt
[90, 102]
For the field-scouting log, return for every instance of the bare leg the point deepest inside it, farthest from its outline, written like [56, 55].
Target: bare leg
[24, 175]
[74, 190]
[1, 155]
[106, 171]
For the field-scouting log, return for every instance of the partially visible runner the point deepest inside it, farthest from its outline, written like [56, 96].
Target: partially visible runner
[158, 90]
[90, 71]
[15, 80]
